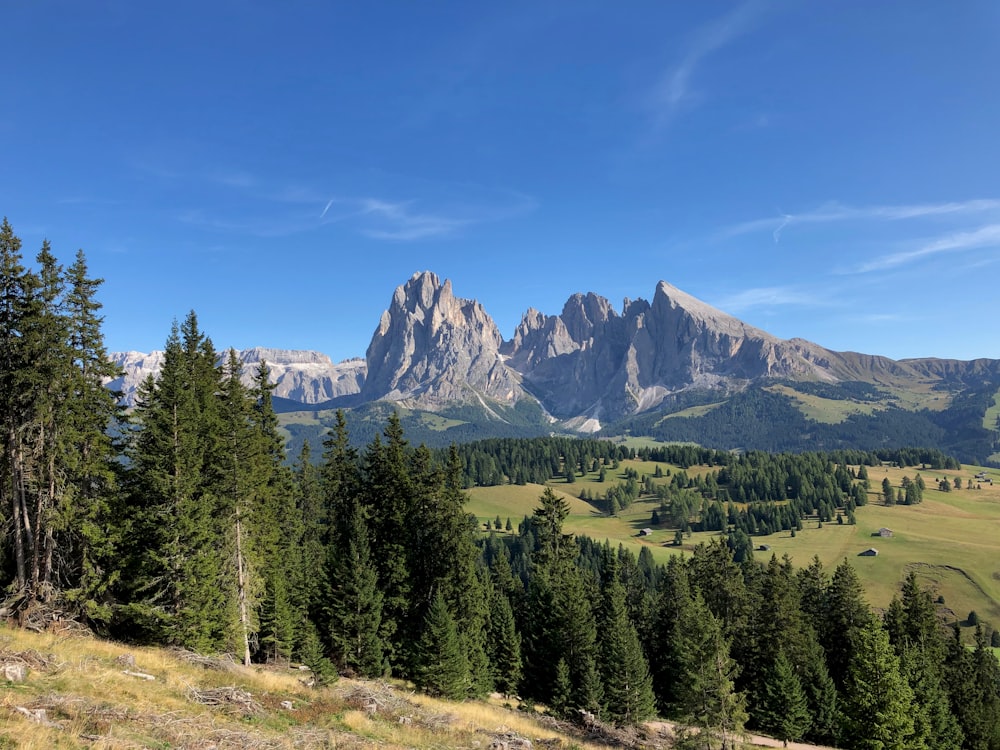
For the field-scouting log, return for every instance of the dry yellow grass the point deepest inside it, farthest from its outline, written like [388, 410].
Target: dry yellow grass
[89, 702]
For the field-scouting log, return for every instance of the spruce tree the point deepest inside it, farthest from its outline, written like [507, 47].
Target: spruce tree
[822, 695]
[240, 483]
[390, 498]
[277, 527]
[561, 622]
[440, 666]
[673, 596]
[707, 695]
[845, 614]
[504, 644]
[878, 702]
[91, 525]
[355, 601]
[18, 304]
[628, 687]
[176, 592]
[782, 709]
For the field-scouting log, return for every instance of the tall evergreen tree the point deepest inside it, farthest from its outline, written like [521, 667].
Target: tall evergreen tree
[845, 614]
[355, 603]
[18, 304]
[707, 694]
[89, 521]
[277, 527]
[673, 598]
[878, 701]
[176, 593]
[628, 687]
[389, 497]
[561, 623]
[783, 707]
[440, 665]
[310, 585]
[504, 643]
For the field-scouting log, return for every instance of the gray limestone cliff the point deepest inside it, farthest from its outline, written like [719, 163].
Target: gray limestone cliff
[432, 348]
[304, 376]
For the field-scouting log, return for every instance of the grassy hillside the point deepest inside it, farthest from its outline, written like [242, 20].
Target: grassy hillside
[78, 695]
[951, 540]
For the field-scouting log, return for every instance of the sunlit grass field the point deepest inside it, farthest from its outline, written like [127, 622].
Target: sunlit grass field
[951, 540]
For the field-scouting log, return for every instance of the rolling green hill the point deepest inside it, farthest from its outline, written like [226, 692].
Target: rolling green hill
[951, 539]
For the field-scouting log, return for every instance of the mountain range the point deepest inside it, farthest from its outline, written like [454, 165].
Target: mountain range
[671, 368]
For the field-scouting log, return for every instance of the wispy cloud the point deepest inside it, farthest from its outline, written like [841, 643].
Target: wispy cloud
[403, 222]
[986, 236]
[419, 209]
[770, 296]
[674, 89]
[837, 212]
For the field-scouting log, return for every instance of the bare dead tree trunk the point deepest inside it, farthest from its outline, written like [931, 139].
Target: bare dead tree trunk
[15, 502]
[242, 589]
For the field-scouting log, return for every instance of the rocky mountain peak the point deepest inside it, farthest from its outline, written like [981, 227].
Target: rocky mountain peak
[431, 348]
[305, 376]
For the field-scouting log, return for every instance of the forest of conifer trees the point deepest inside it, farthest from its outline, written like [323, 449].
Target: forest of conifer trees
[183, 524]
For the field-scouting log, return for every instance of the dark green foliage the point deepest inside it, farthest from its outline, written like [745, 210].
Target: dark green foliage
[628, 688]
[973, 680]
[707, 696]
[440, 666]
[174, 514]
[504, 644]
[878, 701]
[783, 706]
[560, 622]
[57, 463]
[355, 602]
[845, 615]
[198, 535]
[311, 654]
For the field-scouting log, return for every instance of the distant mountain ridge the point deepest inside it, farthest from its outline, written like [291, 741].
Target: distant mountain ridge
[303, 376]
[588, 367]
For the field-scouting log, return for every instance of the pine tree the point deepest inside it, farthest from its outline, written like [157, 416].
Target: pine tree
[913, 630]
[389, 499]
[177, 590]
[17, 305]
[628, 687]
[707, 695]
[845, 614]
[442, 540]
[90, 523]
[673, 596]
[276, 532]
[309, 586]
[783, 708]
[240, 483]
[440, 667]
[561, 622]
[562, 689]
[504, 644]
[355, 603]
[824, 707]
[878, 702]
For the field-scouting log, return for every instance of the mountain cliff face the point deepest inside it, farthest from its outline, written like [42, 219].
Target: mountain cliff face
[432, 348]
[304, 376]
[588, 366]
[592, 361]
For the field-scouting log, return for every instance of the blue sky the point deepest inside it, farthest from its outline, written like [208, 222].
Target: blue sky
[822, 170]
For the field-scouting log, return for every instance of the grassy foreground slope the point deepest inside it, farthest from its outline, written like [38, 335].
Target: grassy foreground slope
[78, 694]
[951, 540]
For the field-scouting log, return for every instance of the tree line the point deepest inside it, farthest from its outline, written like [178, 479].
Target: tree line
[182, 524]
